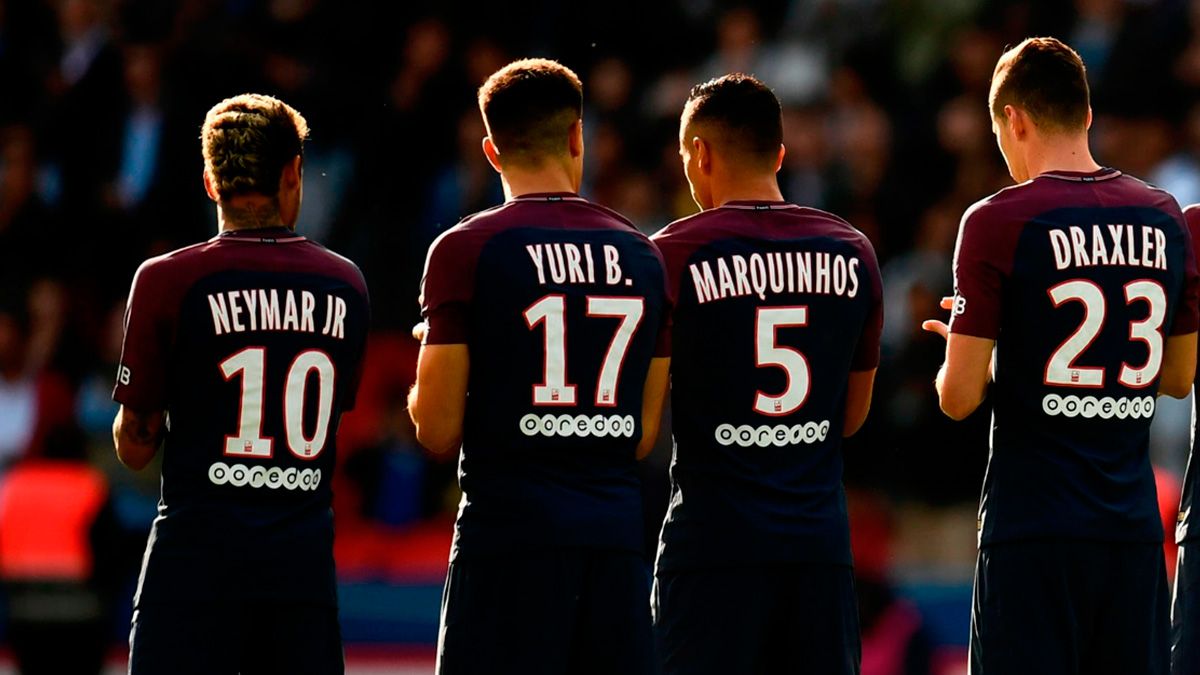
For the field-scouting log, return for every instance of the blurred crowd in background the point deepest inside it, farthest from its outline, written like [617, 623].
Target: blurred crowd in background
[885, 123]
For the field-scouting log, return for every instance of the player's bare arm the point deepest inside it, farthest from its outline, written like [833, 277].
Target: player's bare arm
[963, 378]
[137, 436]
[858, 400]
[658, 380]
[438, 400]
[1179, 366]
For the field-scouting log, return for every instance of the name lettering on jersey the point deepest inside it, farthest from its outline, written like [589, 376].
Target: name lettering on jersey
[271, 309]
[1109, 246]
[567, 263]
[764, 274]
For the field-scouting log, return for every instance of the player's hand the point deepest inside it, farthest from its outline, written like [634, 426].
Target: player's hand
[419, 331]
[939, 327]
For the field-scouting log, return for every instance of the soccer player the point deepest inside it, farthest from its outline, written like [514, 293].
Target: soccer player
[240, 355]
[776, 340]
[1075, 294]
[1185, 605]
[542, 357]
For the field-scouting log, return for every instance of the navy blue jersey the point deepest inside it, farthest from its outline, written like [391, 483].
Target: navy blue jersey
[1183, 532]
[1079, 278]
[775, 305]
[560, 303]
[252, 343]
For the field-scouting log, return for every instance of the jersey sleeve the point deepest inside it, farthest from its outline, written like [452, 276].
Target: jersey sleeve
[866, 354]
[982, 259]
[662, 347]
[673, 259]
[447, 288]
[350, 396]
[149, 329]
[1187, 317]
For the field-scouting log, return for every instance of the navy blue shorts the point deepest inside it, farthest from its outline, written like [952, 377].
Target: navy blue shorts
[1185, 612]
[547, 612]
[1070, 606]
[186, 638]
[785, 618]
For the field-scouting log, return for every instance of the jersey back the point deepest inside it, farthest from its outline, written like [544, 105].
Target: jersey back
[775, 306]
[560, 303]
[252, 343]
[1080, 279]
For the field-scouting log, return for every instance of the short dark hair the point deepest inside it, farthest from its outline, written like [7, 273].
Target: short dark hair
[247, 141]
[529, 106]
[1045, 78]
[746, 113]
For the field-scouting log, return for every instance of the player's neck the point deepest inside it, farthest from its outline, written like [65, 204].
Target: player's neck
[248, 213]
[1066, 154]
[758, 189]
[520, 181]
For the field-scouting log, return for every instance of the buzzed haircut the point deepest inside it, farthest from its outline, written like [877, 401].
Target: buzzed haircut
[743, 111]
[1045, 78]
[247, 141]
[529, 106]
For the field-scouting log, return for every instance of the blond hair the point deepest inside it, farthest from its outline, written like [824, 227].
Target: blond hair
[247, 141]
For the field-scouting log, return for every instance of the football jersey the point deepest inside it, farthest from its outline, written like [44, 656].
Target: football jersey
[1182, 530]
[774, 306]
[1079, 278]
[252, 343]
[561, 304]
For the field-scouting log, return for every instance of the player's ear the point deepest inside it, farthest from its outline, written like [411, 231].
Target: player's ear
[291, 174]
[779, 160]
[575, 138]
[702, 153]
[209, 188]
[491, 152]
[1015, 119]
[1087, 124]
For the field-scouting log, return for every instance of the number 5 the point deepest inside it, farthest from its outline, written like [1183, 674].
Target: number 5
[768, 353]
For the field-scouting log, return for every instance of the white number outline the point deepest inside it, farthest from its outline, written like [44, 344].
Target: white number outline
[249, 441]
[293, 405]
[251, 363]
[551, 310]
[630, 311]
[768, 353]
[1148, 330]
[1062, 360]
[554, 351]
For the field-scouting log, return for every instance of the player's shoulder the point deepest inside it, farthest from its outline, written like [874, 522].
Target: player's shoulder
[1191, 215]
[614, 219]
[477, 228]
[725, 220]
[168, 265]
[338, 265]
[1003, 205]
[685, 227]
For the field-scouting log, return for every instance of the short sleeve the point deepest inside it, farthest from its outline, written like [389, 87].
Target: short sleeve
[142, 374]
[673, 255]
[979, 271]
[866, 354]
[350, 395]
[662, 347]
[1187, 316]
[447, 287]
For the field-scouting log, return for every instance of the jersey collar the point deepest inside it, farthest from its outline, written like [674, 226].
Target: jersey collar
[264, 235]
[757, 205]
[1104, 173]
[549, 197]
